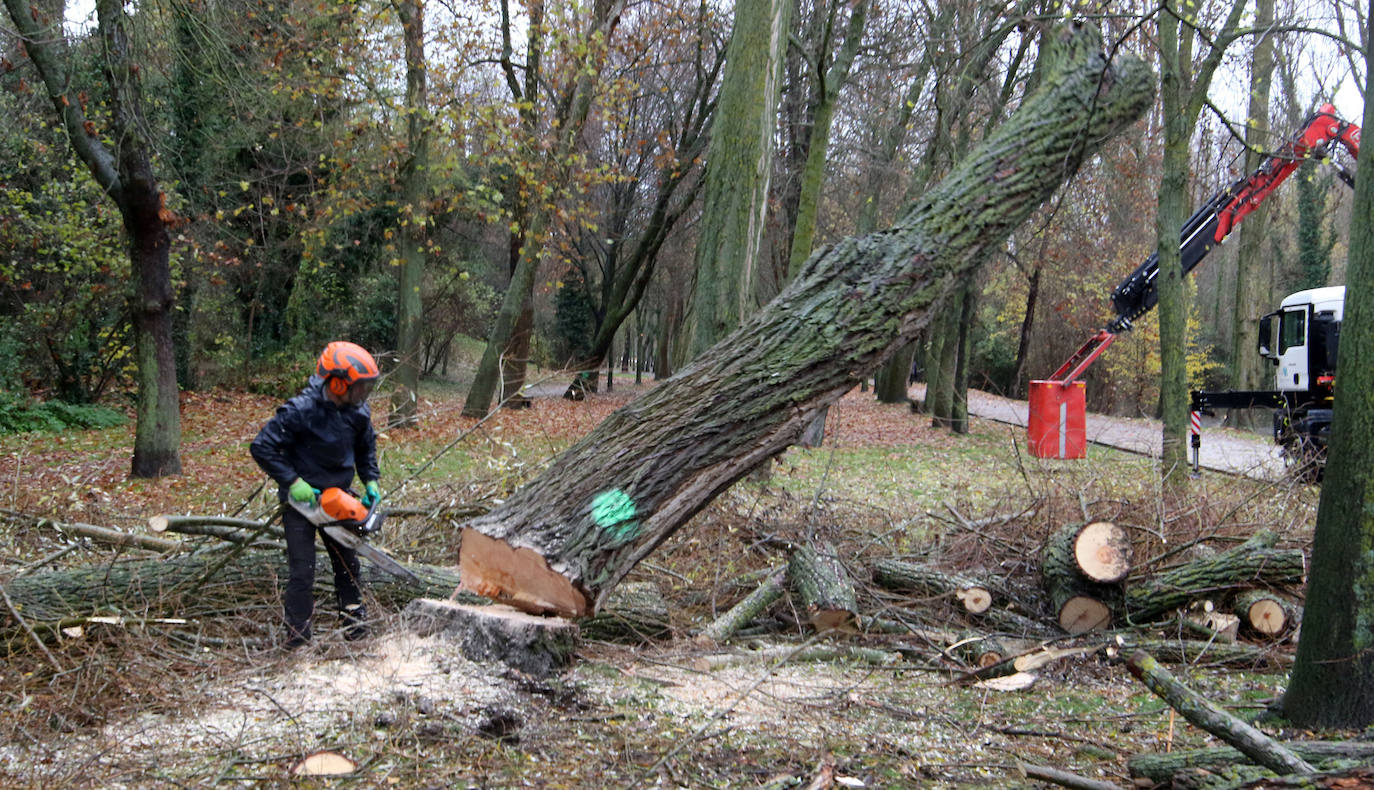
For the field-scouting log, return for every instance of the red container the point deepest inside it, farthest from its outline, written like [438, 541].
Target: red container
[1058, 419]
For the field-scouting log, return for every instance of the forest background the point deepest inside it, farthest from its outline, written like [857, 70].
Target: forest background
[306, 184]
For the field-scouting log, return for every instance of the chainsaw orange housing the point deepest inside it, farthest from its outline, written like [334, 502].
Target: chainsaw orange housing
[339, 505]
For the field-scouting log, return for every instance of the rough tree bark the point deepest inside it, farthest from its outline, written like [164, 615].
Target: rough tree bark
[126, 173]
[560, 543]
[1333, 680]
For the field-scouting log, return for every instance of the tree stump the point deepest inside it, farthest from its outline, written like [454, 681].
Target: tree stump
[823, 587]
[537, 646]
[973, 595]
[603, 505]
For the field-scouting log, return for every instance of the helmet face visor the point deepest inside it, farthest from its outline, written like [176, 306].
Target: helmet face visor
[359, 391]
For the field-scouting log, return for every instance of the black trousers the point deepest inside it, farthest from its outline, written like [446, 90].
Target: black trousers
[298, 601]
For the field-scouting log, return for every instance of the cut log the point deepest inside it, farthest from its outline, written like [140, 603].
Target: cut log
[537, 646]
[610, 500]
[1203, 714]
[636, 612]
[979, 650]
[753, 605]
[1099, 551]
[973, 595]
[1024, 663]
[823, 588]
[1077, 603]
[1244, 566]
[1161, 768]
[1262, 613]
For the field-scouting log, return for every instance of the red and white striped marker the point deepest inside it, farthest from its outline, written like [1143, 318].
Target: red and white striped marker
[1196, 422]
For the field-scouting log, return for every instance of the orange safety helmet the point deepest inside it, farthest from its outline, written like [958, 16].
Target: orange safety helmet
[343, 364]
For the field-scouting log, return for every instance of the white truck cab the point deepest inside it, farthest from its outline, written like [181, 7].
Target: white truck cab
[1300, 338]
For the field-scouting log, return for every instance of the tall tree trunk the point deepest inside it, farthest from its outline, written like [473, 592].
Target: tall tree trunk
[1183, 89]
[1019, 379]
[739, 165]
[940, 390]
[415, 187]
[1332, 684]
[561, 542]
[959, 411]
[1247, 367]
[127, 177]
[508, 341]
[895, 377]
[813, 173]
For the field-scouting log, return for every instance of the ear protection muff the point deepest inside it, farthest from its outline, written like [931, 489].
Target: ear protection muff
[338, 386]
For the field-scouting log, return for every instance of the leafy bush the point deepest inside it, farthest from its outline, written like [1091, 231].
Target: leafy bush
[283, 374]
[21, 414]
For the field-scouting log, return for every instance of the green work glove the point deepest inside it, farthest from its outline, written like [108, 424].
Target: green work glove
[303, 492]
[371, 493]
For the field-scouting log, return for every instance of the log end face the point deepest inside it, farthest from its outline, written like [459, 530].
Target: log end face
[1081, 614]
[517, 577]
[1103, 551]
[976, 600]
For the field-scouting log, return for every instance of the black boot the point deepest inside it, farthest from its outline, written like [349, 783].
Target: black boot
[296, 636]
[355, 621]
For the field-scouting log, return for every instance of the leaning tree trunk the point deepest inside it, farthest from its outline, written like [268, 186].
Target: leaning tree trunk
[560, 543]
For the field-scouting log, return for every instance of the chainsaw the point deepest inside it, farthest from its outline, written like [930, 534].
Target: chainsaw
[342, 517]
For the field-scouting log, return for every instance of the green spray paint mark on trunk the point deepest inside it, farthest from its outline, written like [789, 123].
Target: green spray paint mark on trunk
[614, 512]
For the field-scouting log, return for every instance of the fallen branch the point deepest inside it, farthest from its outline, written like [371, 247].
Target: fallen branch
[1250, 741]
[754, 604]
[826, 653]
[1064, 778]
[1161, 768]
[115, 537]
[214, 526]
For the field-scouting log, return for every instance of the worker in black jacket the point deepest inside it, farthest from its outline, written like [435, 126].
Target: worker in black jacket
[317, 440]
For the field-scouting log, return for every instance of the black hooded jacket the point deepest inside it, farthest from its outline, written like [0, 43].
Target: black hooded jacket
[323, 444]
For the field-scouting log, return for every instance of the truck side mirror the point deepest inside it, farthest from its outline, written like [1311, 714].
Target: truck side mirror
[1266, 337]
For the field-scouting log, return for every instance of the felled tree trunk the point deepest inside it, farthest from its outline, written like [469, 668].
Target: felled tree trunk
[561, 542]
[189, 586]
[1248, 564]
